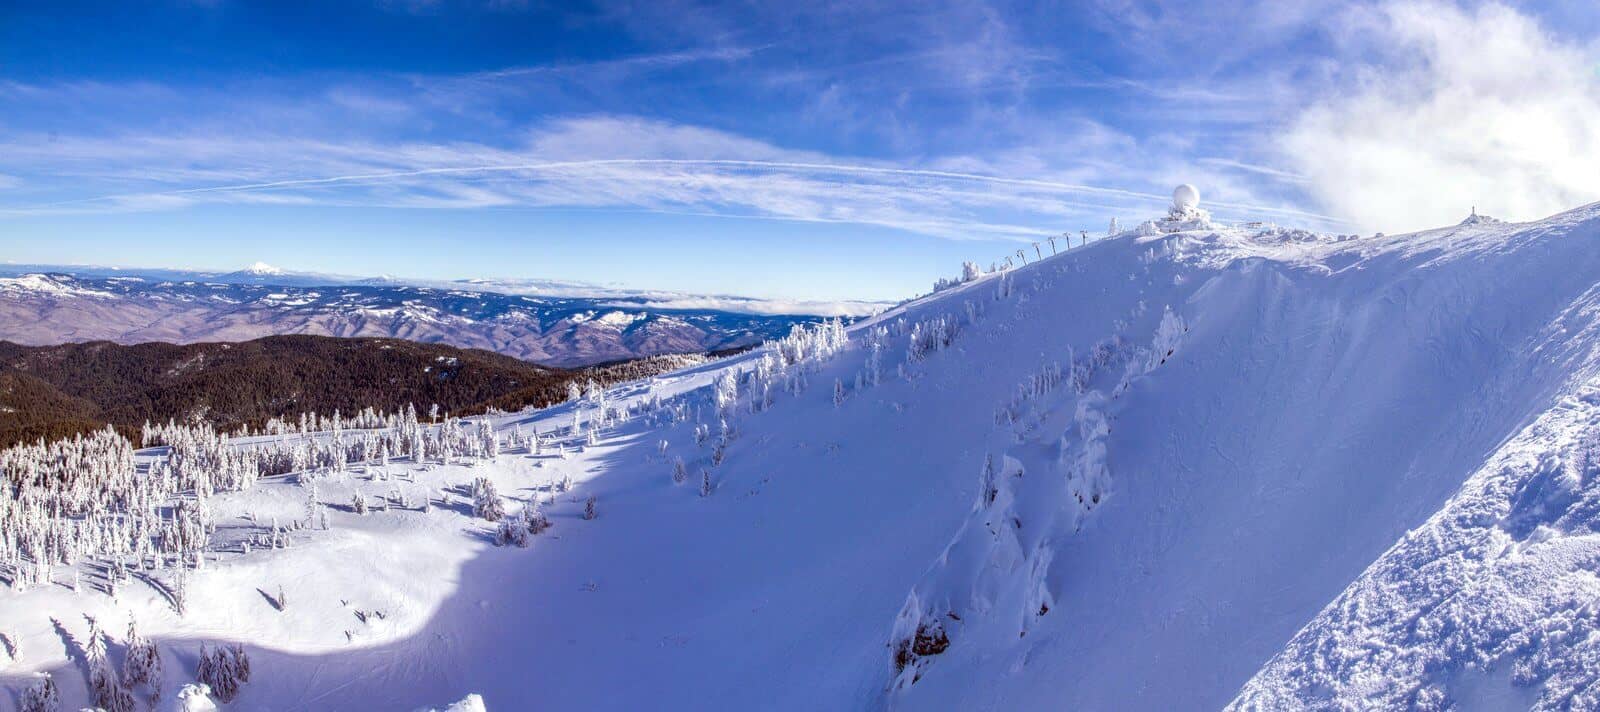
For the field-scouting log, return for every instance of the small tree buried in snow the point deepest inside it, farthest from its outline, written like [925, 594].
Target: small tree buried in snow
[358, 504]
[589, 509]
[680, 473]
[180, 589]
[195, 697]
[41, 697]
[224, 669]
[988, 486]
[706, 487]
[1169, 334]
[486, 500]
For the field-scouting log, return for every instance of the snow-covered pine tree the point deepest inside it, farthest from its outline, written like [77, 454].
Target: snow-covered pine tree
[589, 511]
[142, 666]
[180, 588]
[105, 689]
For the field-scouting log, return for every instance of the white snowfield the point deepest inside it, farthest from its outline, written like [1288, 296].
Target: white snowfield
[1224, 467]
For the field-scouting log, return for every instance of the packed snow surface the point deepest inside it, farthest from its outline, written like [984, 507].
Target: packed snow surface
[1258, 468]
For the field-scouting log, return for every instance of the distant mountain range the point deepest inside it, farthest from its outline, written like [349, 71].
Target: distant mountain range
[554, 323]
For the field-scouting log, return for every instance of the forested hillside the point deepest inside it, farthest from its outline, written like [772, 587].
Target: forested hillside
[52, 391]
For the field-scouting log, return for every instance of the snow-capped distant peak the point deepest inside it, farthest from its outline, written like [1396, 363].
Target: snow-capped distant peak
[262, 268]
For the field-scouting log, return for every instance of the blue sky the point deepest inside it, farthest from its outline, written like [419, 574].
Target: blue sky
[830, 151]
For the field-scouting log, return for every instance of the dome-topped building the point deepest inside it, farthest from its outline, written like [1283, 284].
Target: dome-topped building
[1185, 212]
[1185, 197]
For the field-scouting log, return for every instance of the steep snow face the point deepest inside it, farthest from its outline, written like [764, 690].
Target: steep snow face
[1327, 397]
[1490, 603]
[1131, 476]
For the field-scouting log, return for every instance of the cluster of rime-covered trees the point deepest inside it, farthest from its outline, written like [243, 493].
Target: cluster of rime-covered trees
[82, 498]
[592, 411]
[922, 337]
[224, 668]
[784, 366]
[970, 271]
[319, 443]
[109, 691]
[85, 497]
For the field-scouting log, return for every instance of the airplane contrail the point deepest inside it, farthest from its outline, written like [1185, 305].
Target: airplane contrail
[688, 162]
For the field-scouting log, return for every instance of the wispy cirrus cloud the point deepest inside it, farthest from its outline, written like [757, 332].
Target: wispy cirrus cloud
[588, 162]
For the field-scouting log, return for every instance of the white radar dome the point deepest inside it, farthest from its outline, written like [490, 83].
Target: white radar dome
[1185, 197]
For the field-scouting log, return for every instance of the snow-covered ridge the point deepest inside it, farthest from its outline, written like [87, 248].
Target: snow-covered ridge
[51, 285]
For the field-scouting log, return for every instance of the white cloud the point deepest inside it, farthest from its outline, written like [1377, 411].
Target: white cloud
[1454, 108]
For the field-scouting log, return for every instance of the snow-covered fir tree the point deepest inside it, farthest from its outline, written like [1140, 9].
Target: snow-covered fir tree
[142, 666]
[105, 688]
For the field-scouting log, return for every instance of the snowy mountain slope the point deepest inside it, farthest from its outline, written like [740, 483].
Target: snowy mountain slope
[1197, 442]
[1326, 399]
[1496, 588]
